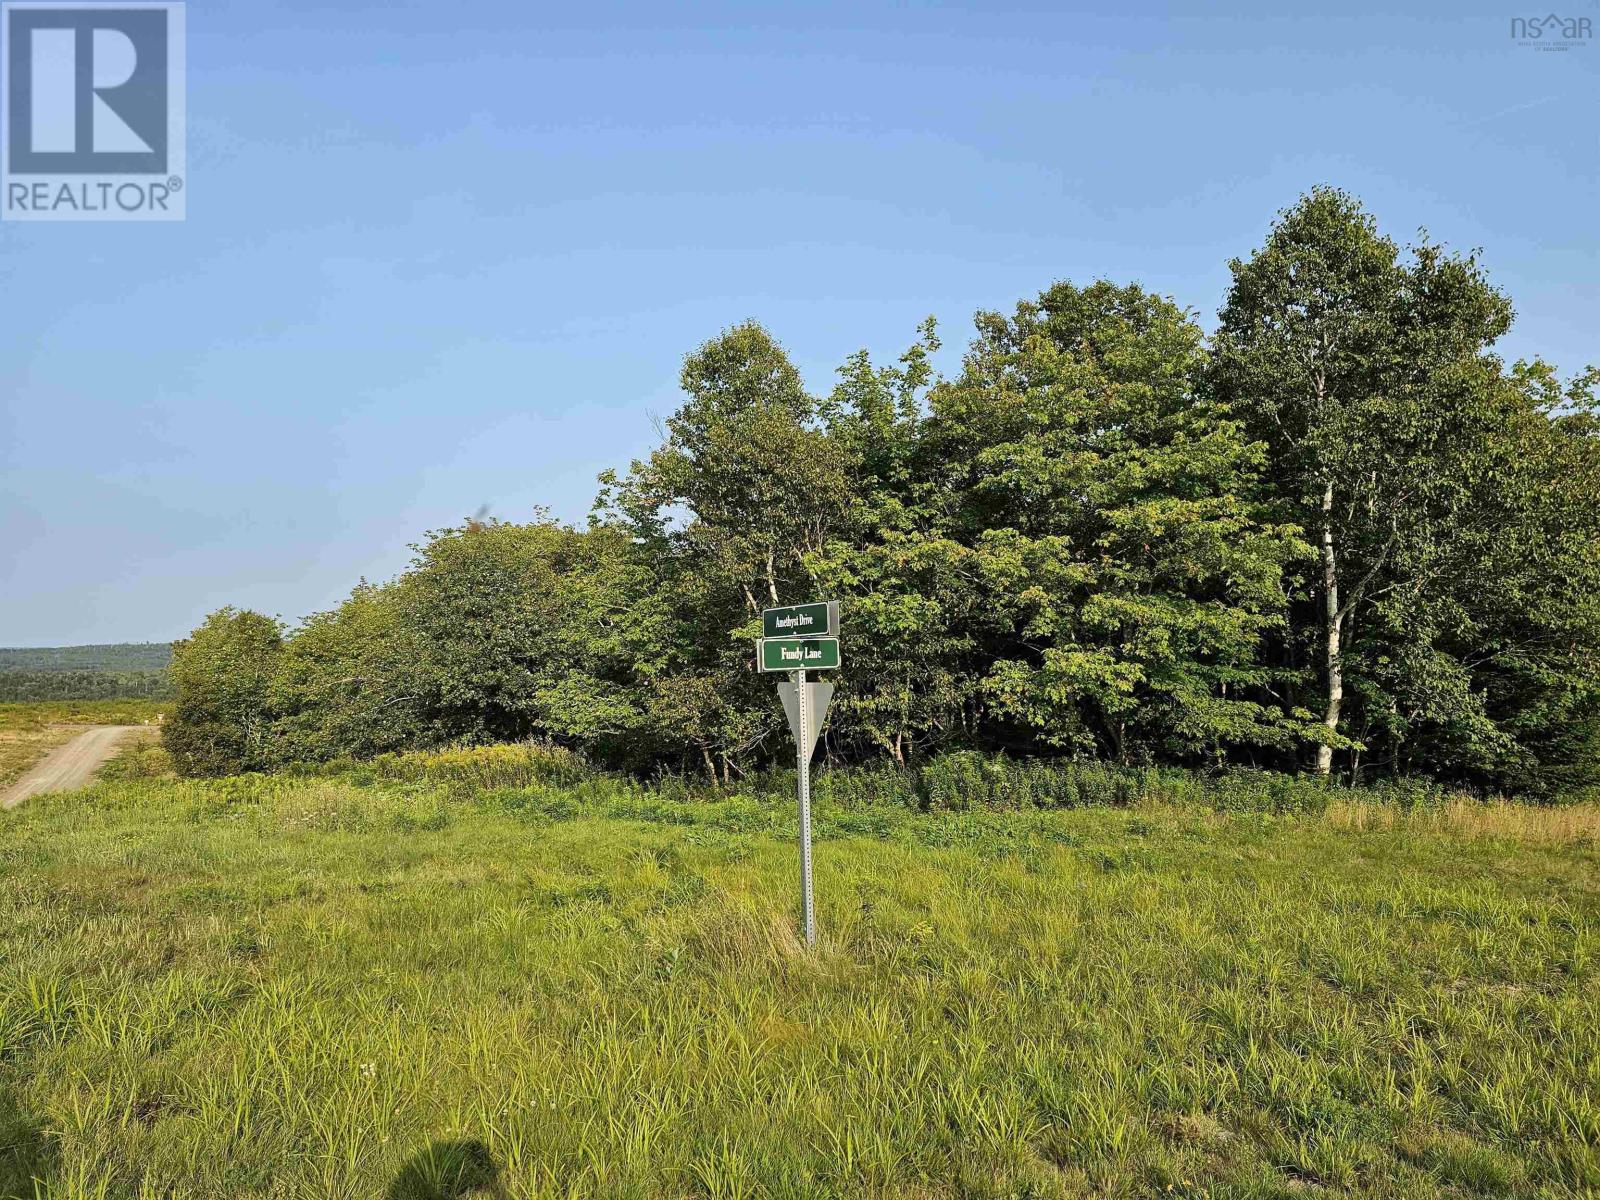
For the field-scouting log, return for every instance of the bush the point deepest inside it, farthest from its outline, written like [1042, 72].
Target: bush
[221, 723]
[141, 761]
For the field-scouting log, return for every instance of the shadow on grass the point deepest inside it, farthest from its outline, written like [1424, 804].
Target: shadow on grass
[26, 1151]
[446, 1171]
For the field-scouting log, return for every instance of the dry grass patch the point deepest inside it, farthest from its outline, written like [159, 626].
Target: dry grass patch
[1567, 825]
[21, 748]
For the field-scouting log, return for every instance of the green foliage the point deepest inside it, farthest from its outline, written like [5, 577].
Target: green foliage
[1126, 579]
[138, 759]
[745, 489]
[221, 722]
[1454, 613]
[499, 632]
[1341, 534]
[529, 629]
[966, 780]
[905, 583]
[346, 682]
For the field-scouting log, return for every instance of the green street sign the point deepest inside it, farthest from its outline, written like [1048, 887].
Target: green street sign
[799, 654]
[801, 620]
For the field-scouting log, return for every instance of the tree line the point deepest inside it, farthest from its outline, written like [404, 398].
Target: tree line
[120, 656]
[1338, 535]
[32, 686]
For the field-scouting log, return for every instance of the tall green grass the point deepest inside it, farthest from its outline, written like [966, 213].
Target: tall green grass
[401, 983]
[468, 770]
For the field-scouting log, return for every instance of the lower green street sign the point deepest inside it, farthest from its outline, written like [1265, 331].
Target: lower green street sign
[799, 654]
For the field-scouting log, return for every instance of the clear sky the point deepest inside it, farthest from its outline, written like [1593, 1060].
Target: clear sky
[445, 255]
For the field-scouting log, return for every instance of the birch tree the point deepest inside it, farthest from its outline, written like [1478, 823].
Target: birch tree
[1368, 378]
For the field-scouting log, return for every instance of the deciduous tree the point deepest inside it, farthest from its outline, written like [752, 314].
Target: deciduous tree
[1127, 575]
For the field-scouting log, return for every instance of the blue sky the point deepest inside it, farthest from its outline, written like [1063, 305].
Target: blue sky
[446, 255]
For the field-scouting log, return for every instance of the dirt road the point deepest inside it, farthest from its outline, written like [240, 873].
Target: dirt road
[70, 766]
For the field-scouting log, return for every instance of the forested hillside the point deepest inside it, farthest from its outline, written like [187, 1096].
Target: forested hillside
[121, 671]
[1340, 535]
[120, 656]
[35, 685]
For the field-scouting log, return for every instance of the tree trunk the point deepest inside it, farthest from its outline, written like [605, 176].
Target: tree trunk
[1332, 624]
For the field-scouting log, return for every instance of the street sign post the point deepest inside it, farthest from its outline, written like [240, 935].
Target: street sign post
[806, 704]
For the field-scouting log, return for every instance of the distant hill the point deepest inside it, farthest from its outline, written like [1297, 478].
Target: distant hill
[121, 656]
[124, 671]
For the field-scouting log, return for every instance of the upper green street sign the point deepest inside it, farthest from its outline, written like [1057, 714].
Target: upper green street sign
[799, 654]
[801, 620]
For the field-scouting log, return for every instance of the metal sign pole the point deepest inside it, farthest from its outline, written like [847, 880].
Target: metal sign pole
[795, 639]
[808, 916]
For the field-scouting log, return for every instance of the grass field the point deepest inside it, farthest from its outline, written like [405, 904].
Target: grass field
[341, 988]
[30, 731]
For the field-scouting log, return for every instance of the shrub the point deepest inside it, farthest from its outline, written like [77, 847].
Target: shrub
[221, 723]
